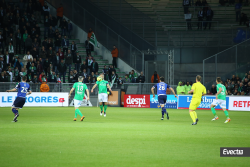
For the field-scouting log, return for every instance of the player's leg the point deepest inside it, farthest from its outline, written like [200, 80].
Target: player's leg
[213, 105]
[77, 104]
[161, 102]
[192, 108]
[15, 111]
[100, 98]
[105, 100]
[165, 111]
[223, 106]
[18, 103]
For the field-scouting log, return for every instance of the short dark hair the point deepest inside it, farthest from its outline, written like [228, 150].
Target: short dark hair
[162, 78]
[198, 77]
[24, 78]
[218, 79]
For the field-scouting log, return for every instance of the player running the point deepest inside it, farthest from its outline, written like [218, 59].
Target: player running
[220, 100]
[23, 91]
[103, 94]
[162, 96]
[79, 88]
[198, 91]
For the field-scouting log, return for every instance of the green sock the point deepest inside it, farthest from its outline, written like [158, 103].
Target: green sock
[101, 107]
[213, 111]
[105, 108]
[226, 113]
[79, 112]
[75, 114]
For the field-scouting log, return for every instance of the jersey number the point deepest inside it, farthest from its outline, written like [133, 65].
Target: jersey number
[24, 90]
[161, 88]
[80, 88]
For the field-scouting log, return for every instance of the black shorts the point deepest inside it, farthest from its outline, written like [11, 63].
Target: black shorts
[162, 99]
[19, 102]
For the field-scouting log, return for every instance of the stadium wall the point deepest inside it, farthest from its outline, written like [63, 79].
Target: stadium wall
[78, 33]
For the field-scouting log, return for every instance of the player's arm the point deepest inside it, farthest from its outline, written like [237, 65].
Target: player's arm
[93, 88]
[71, 91]
[191, 91]
[109, 88]
[218, 93]
[172, 90]
[11, 90]
[87, 94]
[152, 90]
[28, 93]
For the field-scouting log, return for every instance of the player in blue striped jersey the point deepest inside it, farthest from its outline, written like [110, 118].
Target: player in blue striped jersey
[23, 89]
[162, 95]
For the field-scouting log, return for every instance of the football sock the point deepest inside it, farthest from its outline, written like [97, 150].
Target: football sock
[105, 108]
[15, 111]
[214, 112]
[226, 113]
[163, 111]
[192, 116]
[195, 114]
[101, 107]
[78, 112]
[75, 114]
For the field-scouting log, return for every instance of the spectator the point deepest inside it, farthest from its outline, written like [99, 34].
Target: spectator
[11, 39]
[229, 92]
[61, 54]
[107, 76]
[11, 50]
[87, 46]
[16, 74]
[213, 89]
[29, 77]
[46, 66]
[51, 32]
[7, 59]
[1, 40]
[188, 18]
[39, 67]
[76, 75]
[46, 10]
[28, 43]
[50, 44]
[180, 89]
[70, 28]
[89, 64]
[35, 79]
[69, 60]
[71, 77]
[10, 74]
[73, 48]
[126, 79]
[96, 74]
[114, 55]
[58, 42]
[78, 61]
[2, 64]
[155, 78]
[65, 44]
[3, 78]
[34, 53]
[104, 71]
[141, 78]
[200, 18]
[36, 44]
[245, 82]
[28, 56]
[50, 54]
[52, 77]
[59, 13]
[243, 19]
[37, 10]
[45, 44]
[187, 88]
[113, 77]
[186, 4]
[38, 30]
[40, 79]
[233, 78]
[248, 88]
[238, 8]
[46, 26]
[242, 93]
[84, 66]
[43, 54]
[208, 92]
[64, 27]
[44, 86]
[119, 83]
[56, 61]
[33, 70]
[209, 17]
[95, 66]
[84, 73]
[241, 88]
[238, 78]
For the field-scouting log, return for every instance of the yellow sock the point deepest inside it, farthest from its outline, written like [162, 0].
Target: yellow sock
[192, 116]
[195, 115]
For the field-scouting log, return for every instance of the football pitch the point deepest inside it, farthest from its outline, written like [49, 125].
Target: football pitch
[127, 137]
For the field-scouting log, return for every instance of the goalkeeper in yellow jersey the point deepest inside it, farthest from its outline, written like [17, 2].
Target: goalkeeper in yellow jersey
[198, 91]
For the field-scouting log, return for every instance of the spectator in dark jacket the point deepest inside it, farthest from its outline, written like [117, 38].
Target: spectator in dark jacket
[51, 32]
[78, 62]
[71, 77]
[43, 54]
[62, 68]
[84, 66]
[52, 77]
[58, 42]
[56, 62]
[46, 25]
[61, 54]
[34, 53]
[76, 75]
[70, 28]
[119, 82]
[65, 44]
[46, 66]
[73, 49]
[88, 46]
[69, 60]
[39, 67]
[95, 66]
[213, 90]
[28, 43]
[50, 54]
[141, 78]
[64, 27]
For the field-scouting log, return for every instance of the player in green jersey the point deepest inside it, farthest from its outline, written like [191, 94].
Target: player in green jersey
[220, 100]
[103, 93]
[79, 88]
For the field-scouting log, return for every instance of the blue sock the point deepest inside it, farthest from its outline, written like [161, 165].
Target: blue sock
[162, 112]
[15, 111]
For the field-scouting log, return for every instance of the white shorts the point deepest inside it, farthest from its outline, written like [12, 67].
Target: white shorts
[103, 97]
[220, 102]
[77, 103]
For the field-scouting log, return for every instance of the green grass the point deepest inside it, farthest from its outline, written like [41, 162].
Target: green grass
[125, 138]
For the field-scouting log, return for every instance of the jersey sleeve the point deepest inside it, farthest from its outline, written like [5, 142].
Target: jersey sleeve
[17, 86]
[74, 86]
[168, 86]
[204, 90]
[85, 87]
[28, 88]
[155, 86]
[193, 87]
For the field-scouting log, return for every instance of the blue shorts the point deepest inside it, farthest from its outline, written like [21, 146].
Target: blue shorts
[162, 99]
[19, 102]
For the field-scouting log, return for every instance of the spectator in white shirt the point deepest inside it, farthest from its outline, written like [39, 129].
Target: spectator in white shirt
[28, 56]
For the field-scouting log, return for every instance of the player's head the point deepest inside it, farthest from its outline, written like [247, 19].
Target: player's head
[24, 78]
[80, 78]
[161, 79]
[218, 80]
[198, 78]
[102, 76]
